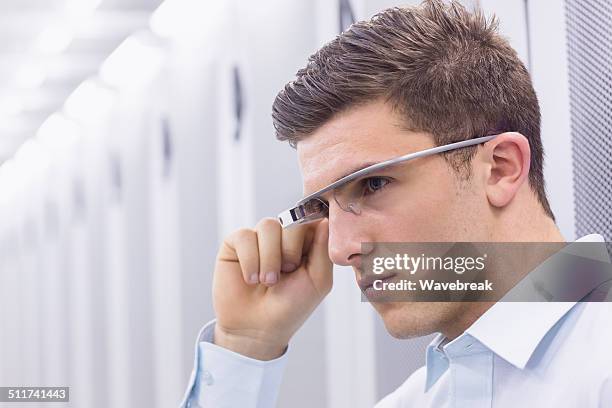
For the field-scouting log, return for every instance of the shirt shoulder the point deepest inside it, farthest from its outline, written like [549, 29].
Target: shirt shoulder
[572, 366]
[594, 330]
[589, 322]
[584, 334]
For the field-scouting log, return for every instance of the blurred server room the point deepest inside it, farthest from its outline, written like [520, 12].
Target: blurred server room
[136, 134]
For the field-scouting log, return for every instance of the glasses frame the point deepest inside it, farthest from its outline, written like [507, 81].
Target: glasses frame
[297, 215]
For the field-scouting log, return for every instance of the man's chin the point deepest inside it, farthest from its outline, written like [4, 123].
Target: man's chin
[404, 320]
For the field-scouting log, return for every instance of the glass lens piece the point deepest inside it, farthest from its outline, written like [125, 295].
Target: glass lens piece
[349, 196]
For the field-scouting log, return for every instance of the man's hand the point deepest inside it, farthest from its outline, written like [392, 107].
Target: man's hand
[267, 282]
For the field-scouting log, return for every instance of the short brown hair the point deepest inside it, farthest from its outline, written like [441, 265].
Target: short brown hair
[446, 70]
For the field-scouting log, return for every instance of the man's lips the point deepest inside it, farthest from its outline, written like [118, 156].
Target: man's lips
[367, 281]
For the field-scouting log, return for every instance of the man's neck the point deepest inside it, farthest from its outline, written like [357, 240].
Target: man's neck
[527, 225]
[541, 229]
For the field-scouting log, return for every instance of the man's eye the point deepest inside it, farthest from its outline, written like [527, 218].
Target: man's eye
[374, 184]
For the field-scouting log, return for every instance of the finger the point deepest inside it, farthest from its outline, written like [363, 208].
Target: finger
[308, 237]
[292, 241]
[244, 243]
[269, 243]
[319, 265]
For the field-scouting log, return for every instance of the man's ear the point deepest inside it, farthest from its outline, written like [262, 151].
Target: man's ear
[508, 156]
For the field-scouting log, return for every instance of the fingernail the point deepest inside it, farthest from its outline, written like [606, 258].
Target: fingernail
[253, 278]
[288, 266]
[270, 277]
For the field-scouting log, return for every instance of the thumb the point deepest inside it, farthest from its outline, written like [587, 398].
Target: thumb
[319, 265]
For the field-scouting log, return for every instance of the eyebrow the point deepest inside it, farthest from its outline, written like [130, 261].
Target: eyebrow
[348, 173]
[355, 169]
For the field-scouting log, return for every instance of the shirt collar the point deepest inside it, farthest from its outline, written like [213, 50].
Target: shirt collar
[515, 344]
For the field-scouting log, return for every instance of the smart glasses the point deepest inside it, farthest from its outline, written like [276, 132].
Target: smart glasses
[351, 194]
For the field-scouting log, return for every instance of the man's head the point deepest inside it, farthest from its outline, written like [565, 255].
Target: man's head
[407, 80]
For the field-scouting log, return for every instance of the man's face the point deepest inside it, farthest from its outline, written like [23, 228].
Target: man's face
[425, 202]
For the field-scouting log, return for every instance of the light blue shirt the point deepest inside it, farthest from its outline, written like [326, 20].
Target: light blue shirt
[527, 354]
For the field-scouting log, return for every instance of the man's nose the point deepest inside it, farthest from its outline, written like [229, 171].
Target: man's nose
[345, 237]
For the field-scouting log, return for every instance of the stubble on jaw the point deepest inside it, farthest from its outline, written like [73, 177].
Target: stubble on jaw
[405, 320]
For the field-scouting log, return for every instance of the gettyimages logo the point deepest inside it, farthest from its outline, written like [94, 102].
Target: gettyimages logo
[413, 264]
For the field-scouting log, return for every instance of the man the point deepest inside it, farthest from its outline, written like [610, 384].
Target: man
[406, 81]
